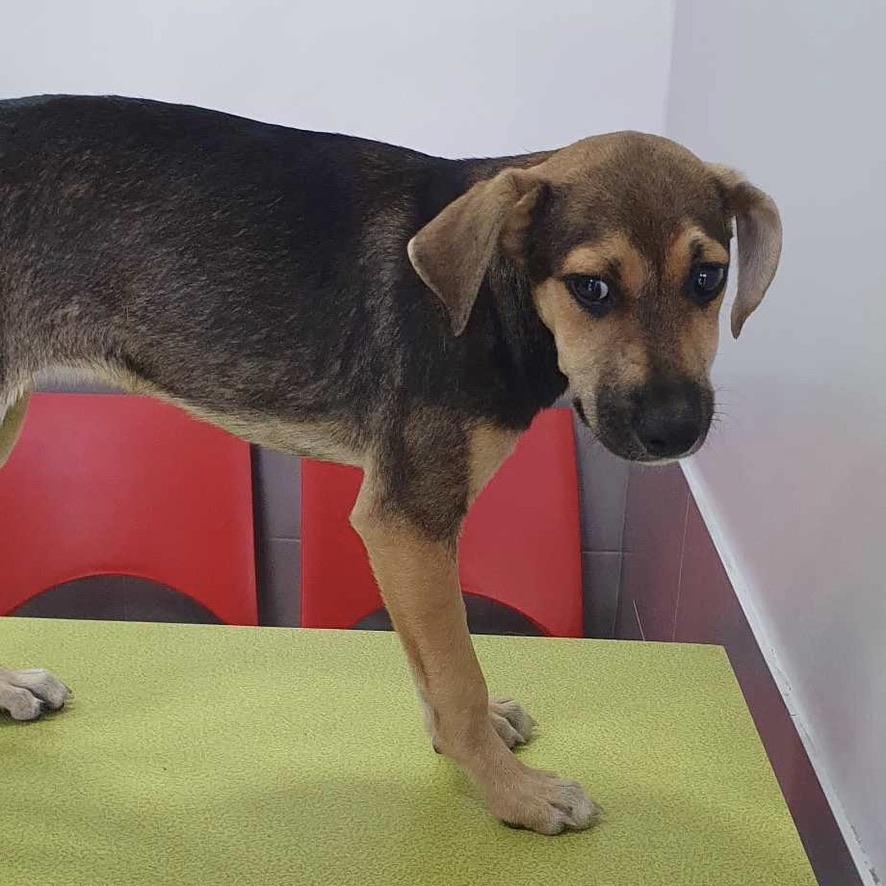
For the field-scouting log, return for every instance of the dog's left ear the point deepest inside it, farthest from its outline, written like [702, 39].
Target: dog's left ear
[452, 252]
[758, 228]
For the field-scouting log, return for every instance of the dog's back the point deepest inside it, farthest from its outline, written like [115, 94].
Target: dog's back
[219, 259]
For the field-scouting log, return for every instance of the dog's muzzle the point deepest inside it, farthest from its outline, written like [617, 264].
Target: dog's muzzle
[653, 423]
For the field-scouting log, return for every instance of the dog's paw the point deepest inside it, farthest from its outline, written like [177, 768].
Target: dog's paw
[542, 802]
[511, 722]
[27, 694]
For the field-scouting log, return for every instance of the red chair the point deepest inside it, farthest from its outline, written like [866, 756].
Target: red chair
[112, 484]
[520, 546]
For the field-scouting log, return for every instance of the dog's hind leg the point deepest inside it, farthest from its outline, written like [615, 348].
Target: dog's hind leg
[29, 693]
[11, 426]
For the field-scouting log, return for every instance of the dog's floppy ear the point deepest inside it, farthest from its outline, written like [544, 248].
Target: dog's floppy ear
[758, 228]
[452, 252]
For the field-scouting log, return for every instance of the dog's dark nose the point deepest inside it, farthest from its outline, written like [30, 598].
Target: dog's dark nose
[668, 422]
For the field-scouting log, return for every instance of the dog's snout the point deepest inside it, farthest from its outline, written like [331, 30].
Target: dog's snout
[670, 421]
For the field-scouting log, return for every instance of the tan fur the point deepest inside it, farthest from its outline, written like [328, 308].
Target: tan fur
[325, 440]
[11, 427]
[585, 346]
[489, 447]
[697, 349]
[579, 338]
[697, 345]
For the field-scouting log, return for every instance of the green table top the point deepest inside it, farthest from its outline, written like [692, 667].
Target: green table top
[217, 755]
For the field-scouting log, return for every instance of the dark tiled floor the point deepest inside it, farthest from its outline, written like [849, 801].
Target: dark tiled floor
[601, 573]
[602, 482]
[277, 489]
[627, 624]
[654, 545]
[279, 582]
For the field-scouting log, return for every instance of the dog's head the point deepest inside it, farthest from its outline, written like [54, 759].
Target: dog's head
[625, 241]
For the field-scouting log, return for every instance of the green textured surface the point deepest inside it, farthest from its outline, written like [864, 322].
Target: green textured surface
[215, 755]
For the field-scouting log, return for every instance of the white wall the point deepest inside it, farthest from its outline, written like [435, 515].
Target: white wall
[794, 485]
[457, 77]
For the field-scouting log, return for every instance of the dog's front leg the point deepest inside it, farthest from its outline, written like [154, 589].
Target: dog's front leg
[418, 577]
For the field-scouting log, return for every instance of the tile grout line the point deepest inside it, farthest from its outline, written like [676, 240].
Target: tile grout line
[639, 623]
[682, 561]
[613, 625]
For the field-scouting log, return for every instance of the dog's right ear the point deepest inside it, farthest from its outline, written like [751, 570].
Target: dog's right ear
[452, 252]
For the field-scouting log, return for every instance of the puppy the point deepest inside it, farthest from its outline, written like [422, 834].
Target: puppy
[348, 300]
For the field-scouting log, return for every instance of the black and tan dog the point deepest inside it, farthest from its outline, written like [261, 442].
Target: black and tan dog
[348, 300]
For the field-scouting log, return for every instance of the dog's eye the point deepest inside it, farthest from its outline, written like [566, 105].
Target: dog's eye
[593, 293]
[706, 281]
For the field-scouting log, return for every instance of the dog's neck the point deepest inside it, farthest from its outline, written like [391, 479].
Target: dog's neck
[529, 355]
[509, 359]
